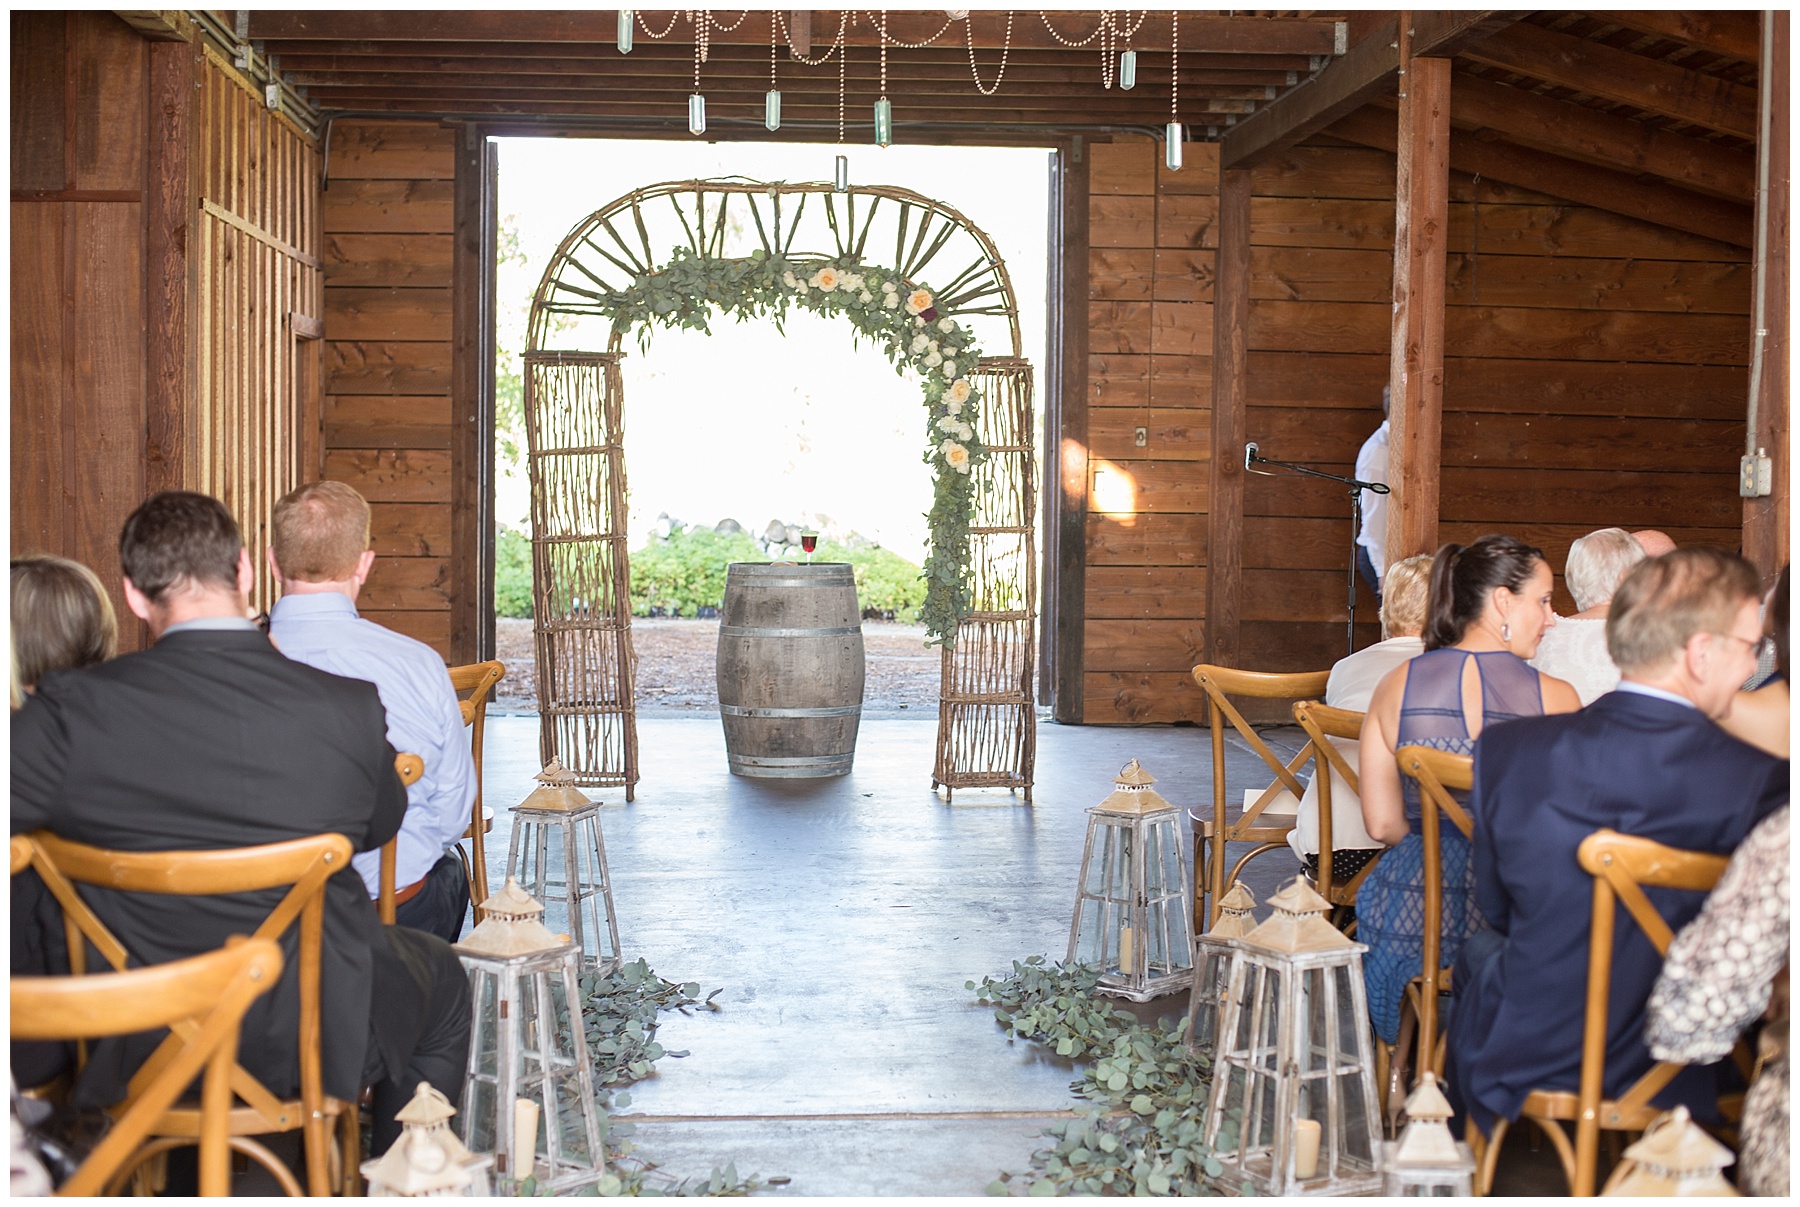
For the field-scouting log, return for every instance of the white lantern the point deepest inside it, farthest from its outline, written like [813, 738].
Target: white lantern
[427, 1161]
[1212, 960]
[1427, 1161]
[558, 855]
[1292, 1109]
[1673, 1159]
[528, 1049]
[1131, 905]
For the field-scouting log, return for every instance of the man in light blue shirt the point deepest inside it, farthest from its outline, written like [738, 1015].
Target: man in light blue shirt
[321, 556]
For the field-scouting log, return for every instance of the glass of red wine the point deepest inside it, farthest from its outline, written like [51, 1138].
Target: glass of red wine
[809, 541]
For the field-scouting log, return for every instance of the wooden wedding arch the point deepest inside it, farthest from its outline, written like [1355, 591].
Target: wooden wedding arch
[574, 422]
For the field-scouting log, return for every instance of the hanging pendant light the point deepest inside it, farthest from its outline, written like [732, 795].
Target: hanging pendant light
[626, 19]
[842, 183]
[1172, 146]
[696, 114]
[884, 123]
[1172, 134]
[772, 109]
[1127, 70]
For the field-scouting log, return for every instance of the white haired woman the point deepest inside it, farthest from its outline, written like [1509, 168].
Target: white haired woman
[1575, 650]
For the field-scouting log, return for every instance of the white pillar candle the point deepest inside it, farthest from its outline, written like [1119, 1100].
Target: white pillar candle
[525, 1123]
[1125, 964]
[1306, 1148]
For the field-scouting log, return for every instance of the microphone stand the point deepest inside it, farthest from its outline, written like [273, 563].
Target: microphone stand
[1253, 458]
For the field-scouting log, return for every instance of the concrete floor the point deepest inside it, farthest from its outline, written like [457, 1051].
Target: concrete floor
[841, 918]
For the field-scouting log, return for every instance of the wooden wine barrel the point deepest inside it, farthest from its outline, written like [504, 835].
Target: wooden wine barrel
[790, 669]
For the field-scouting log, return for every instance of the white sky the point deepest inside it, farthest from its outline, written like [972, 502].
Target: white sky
[747, 423]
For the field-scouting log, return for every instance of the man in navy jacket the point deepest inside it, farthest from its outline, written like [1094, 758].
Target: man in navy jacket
[1645, 759]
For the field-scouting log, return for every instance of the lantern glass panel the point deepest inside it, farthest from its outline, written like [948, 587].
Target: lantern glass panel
[477, 1116]
[1212, 964]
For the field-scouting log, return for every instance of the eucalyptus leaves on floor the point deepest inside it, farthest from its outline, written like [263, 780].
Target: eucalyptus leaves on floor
[1142, 1133]
[622, 1011]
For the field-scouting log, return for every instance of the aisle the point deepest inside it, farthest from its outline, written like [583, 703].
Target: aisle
[842, 918]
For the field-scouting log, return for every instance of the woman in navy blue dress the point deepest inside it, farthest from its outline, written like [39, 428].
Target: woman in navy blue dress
[1490, 605]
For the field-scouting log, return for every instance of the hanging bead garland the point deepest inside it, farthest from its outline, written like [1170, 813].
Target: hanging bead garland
[1005, 52]
[1173, 135]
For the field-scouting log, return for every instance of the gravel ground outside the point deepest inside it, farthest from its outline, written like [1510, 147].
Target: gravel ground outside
[676, 662]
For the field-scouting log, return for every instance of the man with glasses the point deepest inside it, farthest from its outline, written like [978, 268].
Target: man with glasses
[1646, 759]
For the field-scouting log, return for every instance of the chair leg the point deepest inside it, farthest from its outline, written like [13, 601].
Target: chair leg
[1565, 1151]
[479, 888]
[316, 1141]
[349, 1150]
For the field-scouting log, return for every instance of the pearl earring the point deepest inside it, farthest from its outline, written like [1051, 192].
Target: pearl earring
[1505, 631]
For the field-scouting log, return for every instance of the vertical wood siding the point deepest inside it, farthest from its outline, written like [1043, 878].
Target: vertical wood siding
[389, 221]
[255, 258]
[1596, 375]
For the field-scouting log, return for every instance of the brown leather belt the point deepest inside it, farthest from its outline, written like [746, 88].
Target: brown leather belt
[410, 891]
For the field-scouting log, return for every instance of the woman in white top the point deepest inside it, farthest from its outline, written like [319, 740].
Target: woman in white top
[1404, 592]
[1575, 650]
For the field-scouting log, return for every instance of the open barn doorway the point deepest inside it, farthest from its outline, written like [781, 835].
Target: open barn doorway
[740, 440]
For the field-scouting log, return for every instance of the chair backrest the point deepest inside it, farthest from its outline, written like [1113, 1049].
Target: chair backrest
[1321, 723]
[303, 865]
[1623, 866]
[201, 999]
[21, 853]
[1222, 682]
[409, 767]
[1438, 773]
[474, 683]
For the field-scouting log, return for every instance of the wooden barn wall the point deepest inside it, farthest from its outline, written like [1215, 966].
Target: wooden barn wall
[251, 428]
[80, 100]
[389, 220]
[1596, 375]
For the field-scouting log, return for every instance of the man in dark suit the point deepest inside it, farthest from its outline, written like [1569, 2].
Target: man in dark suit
[212, 739]
[1645, 759]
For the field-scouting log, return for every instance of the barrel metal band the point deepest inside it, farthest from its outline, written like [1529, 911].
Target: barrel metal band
[735, 710]
[738, 630]
[758, 580]
[814, 760]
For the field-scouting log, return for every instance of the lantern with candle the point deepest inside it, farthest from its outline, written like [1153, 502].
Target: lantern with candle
[529, 1098]
[1427, 1161]
[1673, 1159]
[558, 854]
[427, 1161]
[1212, 959]
[1292, 1108]
[1131, 903]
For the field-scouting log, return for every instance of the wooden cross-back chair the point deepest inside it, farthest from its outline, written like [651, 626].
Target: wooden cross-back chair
[302, 865]
[1622, 866]
[474, 685]
[1220, 683]
[202, 1000]
[1321, 723]
[1438, 774]
[409, 767]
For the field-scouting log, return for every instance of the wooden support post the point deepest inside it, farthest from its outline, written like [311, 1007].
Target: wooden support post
[1066, 440]
[1225, 474]
[1766, 518]
[472, 401]
[1416, 374]
[171, 186]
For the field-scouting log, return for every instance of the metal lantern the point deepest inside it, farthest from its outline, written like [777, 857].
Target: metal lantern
[558, 853]
[1212, 960]
[1131, 905]
[1674, 1158]
[1427, 1161]
[528, 1054]
[428, 1161]
[1292, 1109]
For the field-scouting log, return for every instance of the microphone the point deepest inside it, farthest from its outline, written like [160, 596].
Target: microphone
[1249, 454]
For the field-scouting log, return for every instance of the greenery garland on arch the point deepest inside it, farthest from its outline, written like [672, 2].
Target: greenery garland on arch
[899, 317]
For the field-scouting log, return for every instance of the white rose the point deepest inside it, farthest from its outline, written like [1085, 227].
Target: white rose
[932, 345]
[919, 343]
[917, 321]
[918, 301]
[954, 407]
[965, 431]
[933, 360]
[891, 301]
[946, 326]
[865, 297]
[955, 455]
[950, 370]
[790, 280]
[826, 278]
[853, 280]
[959, 391]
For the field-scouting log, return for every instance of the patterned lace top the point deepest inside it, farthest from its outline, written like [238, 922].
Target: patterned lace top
[1431, 712]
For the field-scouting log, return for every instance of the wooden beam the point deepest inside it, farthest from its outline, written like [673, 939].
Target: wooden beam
[1584, 184]
[662, 113]
[1367, 70]
[1230, 394]
[1734, 35]
[799, 26]
[472, 401]
[158, 25]
[1766, 519]
[1618, 75]
[1066, 529]
[1416, 369]
[171, 186]
[1565, 128]
[1235, 35]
